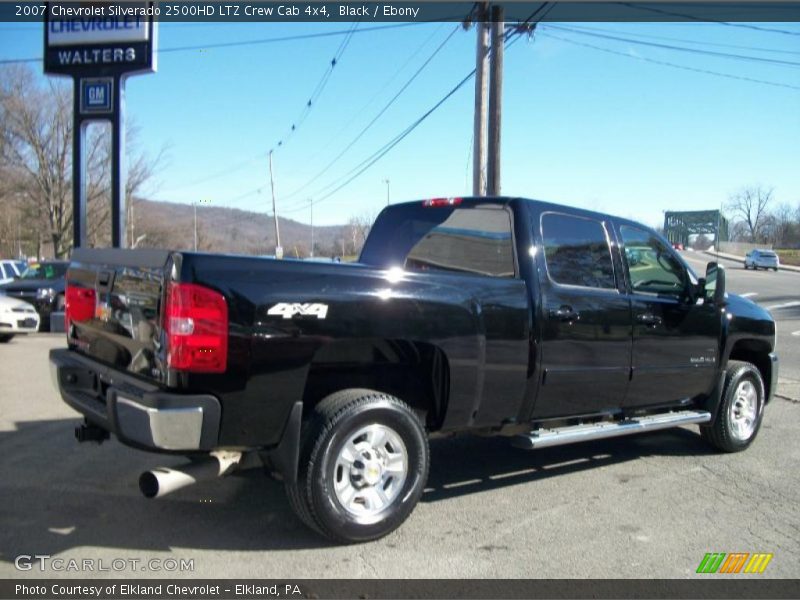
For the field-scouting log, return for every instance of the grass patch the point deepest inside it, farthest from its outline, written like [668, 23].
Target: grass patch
[789, 257]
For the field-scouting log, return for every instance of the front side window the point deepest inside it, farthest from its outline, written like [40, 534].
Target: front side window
[576, 251]
[653, 269]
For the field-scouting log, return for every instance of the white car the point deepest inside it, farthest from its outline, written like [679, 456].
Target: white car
[10, 269]
[764, 259]
[16, 316]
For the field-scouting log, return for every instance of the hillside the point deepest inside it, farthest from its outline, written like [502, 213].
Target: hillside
[230, 230]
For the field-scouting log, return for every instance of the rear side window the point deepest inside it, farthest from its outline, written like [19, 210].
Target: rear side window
[576, 251]
[469, 240]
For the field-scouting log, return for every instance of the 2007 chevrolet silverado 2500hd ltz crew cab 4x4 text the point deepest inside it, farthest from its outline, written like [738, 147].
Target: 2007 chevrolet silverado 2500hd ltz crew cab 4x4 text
[504, 316]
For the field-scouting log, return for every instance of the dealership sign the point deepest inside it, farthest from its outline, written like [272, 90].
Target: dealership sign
[85, 38]
[99, 45]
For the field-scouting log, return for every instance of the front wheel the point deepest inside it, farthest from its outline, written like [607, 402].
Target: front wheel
[363, 466]
[740, 411]
[6, 337]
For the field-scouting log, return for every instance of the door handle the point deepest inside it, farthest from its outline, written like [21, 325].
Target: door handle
[650, 320]
[565, 313]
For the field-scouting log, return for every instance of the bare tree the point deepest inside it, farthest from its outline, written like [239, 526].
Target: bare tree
[36, 153]
[36, 162]
[750, 205]
[358, 228]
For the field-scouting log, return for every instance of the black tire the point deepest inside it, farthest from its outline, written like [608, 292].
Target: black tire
[775, 269]
[746, 267]
[331, 425]
[723, 434]
[6, 337]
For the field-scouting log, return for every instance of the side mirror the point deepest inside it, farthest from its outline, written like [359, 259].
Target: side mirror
[714, 287]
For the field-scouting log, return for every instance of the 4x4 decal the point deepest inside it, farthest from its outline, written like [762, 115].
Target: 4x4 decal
[287, 310]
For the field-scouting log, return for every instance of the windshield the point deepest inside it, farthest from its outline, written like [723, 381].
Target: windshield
[45, 271]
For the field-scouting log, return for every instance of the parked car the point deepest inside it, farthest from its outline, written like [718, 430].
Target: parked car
[763, 259]
[494, 316]
[16, 317]
[42, 284]
[10, 270]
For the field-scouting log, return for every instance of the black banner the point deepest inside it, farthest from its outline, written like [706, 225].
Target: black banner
[420, 11]
[231, 589]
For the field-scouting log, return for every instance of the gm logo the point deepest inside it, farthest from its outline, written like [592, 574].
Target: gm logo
[737, 562]
[96, 96]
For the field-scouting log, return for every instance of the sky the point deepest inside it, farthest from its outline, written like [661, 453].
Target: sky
[607, 127]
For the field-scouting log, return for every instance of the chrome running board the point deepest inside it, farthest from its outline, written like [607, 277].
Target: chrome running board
[544, 438]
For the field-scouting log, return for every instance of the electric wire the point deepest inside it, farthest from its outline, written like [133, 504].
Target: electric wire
[369, 125]
[713, 53]
[671, 64]
[362, 167]
[684, 40]
[707, 20]
[254, 42]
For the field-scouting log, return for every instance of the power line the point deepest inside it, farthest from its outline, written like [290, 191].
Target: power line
[365, 164]
[670, 64]
[685, 40]
[714, 53]
[320, 87]
[346, 126]
[707, 20]
[259, 41]
[311, 103]
[375, 118]
[515, 33]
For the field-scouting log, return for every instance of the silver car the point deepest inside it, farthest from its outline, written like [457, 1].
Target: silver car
[764, 259]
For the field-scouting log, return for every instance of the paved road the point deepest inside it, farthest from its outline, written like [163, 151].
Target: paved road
[643, 506]
[779, 292]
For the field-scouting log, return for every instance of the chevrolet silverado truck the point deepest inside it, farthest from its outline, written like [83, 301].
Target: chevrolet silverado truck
[501, 316]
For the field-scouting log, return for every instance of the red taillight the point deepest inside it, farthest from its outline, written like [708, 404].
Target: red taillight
[437, 202]
[196, 322]
[79, 305]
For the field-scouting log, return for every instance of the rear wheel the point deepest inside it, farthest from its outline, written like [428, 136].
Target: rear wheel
[363, 466]
[740, 410]
[6, 337]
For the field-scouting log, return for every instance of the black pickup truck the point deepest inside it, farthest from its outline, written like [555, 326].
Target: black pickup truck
[504, 316]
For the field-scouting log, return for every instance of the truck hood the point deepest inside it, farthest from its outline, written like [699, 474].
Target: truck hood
[738, 306]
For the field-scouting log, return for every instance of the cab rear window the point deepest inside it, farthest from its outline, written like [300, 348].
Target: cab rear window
[475, 240]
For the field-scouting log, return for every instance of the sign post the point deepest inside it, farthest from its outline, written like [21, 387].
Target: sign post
[99, 52]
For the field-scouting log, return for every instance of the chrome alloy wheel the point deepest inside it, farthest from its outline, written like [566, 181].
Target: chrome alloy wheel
[370, 470]
[743, 411]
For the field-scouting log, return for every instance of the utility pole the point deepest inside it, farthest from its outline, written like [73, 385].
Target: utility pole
[481, 96]
[194, 204]
[386, 181]
[311, 204]
[278, 248]
[130, 220]
[495, 101]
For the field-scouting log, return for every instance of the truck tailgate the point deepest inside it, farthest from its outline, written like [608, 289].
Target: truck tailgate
[114, 300]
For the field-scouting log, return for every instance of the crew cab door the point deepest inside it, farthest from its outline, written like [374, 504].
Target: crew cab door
[585, 331]
[675, 340]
